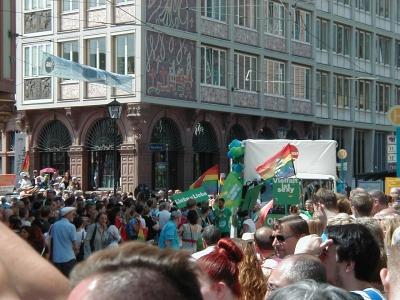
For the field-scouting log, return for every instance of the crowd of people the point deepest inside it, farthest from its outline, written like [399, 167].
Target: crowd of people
[106, 246]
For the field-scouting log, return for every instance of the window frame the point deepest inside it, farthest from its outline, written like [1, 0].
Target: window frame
[270, 87]
[246, 16]
[322, 79]
[98, 53]
[274, 20]
[245, 71]
[207, 53]
[383, 97]
[41, 5]
[126, 55]
[301, 88]
[73, 5]
[34, 62]
[301, 25]
[214, 9]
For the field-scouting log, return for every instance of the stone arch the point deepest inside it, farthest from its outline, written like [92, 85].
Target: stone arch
[236, 132]
[266, 133]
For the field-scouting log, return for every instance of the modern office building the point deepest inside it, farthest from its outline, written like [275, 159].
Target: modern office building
[7, 81]
[203, 73]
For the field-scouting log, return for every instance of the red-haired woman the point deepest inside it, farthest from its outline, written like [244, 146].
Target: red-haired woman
[221, 266]
[33, 235]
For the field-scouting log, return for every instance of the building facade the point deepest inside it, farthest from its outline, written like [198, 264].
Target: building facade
[7, 80]
[203, 73]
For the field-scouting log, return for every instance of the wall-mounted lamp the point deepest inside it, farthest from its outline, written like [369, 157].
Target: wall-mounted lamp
[11, 34]
[281, 131]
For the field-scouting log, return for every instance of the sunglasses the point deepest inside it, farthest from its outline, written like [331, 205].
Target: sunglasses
[281, 238]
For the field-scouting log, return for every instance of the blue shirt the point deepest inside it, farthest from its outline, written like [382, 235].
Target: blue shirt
[169, 233]
[63, 234]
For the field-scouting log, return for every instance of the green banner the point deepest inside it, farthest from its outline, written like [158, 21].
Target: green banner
[286, 190]
[251, 197]
[198, 194]
[231, 192]
[271, 218]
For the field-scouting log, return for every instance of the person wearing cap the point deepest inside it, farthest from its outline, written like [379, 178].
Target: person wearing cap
[169, 238]
[64, 246]
[24, 182]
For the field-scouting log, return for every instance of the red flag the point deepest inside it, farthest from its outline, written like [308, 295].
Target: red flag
[25, 165]
[264, 211]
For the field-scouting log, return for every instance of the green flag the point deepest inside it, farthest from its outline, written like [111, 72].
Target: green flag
[251, 197]
[231, 192]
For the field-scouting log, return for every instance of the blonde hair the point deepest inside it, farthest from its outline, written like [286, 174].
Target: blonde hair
[315, 226]
[251, 277]
[389, 223]
[340, 219]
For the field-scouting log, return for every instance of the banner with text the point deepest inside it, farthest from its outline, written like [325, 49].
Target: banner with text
[7, 182]
[63, 68]
[286, 191]
[198, 194]
[231, 192]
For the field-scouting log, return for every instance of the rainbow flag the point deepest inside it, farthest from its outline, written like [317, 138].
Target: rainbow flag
[25, 165]
[279, 165]
[264, 213]
[209, 181]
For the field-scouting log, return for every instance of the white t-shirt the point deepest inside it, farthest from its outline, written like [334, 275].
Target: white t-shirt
[113, 231]
[79, 237]
[164, 216]
[252, 226]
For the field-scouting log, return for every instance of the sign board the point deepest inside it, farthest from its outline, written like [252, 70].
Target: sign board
[391, 182]
[339, 166]
[198, 194]
[7, 182]
[393, 115]
[156, 147]
[392, 167]
[271, 218]
[371, 185]
[286, 190]
[391, 158]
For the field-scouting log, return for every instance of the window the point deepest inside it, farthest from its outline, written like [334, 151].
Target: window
[97, 53]
[214, 9]
[322, 34]
[70, 51]
[37, 4]
[245, 13]
[363, 5]
[342, 91]
[274, 80]
[363, 95]
[123, 1]
[300, 82]
[275, 18]
[383, 98]
[398, 11]
[359, 152]
[301, 25]
[125, 58]
[397, 95]
[397, 56]
[380, 151]
[363, 45]
[345, 2]
[382, 50]
[94, 3]
[322, 88]
[383, 8]
[33, 58]
[341, 36]
[245, 72]
[213, 66]
[68, 5]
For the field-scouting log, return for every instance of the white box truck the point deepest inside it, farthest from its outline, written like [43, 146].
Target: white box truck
[314, 163]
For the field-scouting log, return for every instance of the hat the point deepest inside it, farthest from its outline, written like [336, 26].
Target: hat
[248, 237]
[89, 202]
[176, 214]
[23, 174]
[42, 190]
[66, 210]
[34, 171]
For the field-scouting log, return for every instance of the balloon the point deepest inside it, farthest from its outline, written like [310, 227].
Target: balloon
[238, 168]
[230, 155]
[233, 151]
[239, 151]
[233, 167]
[235, 143]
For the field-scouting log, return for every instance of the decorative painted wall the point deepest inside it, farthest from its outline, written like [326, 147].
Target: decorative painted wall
[125, 13]
[96, 17]
[170, 67]
[37, 21]
[301, 107]
[177, 14]
[37, 88]
[245, 99]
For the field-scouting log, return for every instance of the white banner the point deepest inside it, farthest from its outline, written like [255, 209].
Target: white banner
[63, 68]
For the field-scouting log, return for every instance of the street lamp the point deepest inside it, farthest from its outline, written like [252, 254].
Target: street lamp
[281, 131]
[115, 110]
